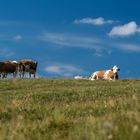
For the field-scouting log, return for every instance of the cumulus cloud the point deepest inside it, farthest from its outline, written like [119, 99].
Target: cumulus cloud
[128, 29]
[93, 21]
[63, 70]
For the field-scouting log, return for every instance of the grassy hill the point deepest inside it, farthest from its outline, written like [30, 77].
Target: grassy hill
[68, 109]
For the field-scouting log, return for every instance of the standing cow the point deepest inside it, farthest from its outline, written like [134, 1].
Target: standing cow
[7, 67]
[29, 66]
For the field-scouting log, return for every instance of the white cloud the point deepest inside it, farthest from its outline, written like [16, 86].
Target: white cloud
[125, 30]
[99, 47]
[17, 37]
[10, 37]
[93, 21]
[65, 40]
[78, 77]
[6, 52]
[129, 47]
[63, 70]
[9, 23]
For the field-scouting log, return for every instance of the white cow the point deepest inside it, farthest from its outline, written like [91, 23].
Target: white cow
[111, 74]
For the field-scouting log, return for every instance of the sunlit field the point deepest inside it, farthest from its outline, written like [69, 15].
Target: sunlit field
[68, 109]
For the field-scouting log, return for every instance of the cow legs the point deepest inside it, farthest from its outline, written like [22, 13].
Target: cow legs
[34, 75]
[14, 74]
[21, 74]
[93, 77]
[4, 75]
[30, 75]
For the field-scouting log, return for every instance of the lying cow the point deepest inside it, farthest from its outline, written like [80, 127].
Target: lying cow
[29, 66]
[111, 74]
[7, 67]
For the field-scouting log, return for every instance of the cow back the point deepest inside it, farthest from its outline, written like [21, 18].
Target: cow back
[8, 67]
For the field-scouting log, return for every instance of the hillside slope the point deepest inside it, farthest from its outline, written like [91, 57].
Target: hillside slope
[68, 109]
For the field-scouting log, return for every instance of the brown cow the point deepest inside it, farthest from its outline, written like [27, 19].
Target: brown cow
[111, 74]
[7, 67]
[29, 66]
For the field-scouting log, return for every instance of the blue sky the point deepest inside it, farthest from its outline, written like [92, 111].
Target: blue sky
[72, 37]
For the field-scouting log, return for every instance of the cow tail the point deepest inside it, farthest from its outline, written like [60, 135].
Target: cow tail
[36, 63]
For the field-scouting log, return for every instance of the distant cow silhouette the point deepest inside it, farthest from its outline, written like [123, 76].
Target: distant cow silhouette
[29, 66]
[7, 67]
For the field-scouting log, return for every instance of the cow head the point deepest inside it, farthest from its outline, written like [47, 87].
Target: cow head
[115, 69]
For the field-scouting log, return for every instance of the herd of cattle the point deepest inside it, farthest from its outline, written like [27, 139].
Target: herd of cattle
[29, 66]
[18, 67]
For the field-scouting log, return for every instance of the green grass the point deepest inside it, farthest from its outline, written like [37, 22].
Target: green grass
[68, 109]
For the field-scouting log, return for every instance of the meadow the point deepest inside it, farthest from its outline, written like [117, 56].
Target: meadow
[68, 109]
